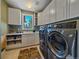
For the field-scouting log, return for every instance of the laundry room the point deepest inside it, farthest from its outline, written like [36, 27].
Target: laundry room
[39, 29]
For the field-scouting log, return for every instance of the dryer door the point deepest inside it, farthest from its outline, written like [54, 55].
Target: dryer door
[57, 44]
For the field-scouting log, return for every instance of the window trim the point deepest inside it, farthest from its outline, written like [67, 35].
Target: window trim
[23, 22]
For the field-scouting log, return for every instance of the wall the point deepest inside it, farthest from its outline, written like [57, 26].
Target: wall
[14, 28]
[4, 17]
[0, 16]
[0, 29]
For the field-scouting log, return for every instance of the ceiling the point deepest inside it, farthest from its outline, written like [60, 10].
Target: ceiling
[29, 5]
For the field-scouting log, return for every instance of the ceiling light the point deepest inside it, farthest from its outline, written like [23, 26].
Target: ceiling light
[29, 4]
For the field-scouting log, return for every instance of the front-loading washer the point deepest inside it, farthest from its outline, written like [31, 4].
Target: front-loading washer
[43, 46]
[62, 41]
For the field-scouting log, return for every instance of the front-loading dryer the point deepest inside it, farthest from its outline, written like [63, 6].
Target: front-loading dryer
[62, 41]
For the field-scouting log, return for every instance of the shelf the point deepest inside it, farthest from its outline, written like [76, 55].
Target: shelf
[13, 42]
[13, 39]
[14, 45]
[16, 34]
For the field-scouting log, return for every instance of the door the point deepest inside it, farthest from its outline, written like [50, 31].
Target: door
[57, 44]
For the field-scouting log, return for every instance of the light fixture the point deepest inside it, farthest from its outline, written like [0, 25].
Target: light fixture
[29, 4]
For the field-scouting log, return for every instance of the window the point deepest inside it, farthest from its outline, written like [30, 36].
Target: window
[27, 22]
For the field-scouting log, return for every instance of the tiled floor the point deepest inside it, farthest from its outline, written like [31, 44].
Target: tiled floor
[13, 54]
[10, 54]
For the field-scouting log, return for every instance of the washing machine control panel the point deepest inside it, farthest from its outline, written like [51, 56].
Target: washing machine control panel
[41, 27]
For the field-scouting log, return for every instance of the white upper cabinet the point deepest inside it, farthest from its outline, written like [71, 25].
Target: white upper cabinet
[60, 10]
[43, 17]
[46, 15]
[14, 16]
[74, 8]
[52, 11]
[40, 18]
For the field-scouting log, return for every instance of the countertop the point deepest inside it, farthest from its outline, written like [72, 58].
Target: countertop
[20, 33]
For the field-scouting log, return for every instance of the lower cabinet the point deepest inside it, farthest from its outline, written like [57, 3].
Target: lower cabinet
[23, 40]
[29, 39]
[13, 41]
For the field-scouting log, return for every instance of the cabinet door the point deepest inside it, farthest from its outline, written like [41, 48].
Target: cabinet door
[17, 17]
[43, 17]
[74, 8]
[46, 15]
[36, 37]
[14, 16]
[40, 18]
[60, 10]
[52, 12]
[27, 39]
[30, 40]
[10, 16]
[24, 40]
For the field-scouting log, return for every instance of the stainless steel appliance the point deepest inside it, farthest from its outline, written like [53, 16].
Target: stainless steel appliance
[62, 40]
[43, 46]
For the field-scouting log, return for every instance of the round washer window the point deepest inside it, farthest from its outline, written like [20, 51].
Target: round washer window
[57, 44]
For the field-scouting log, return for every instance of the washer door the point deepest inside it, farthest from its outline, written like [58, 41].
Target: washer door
[57, 44]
